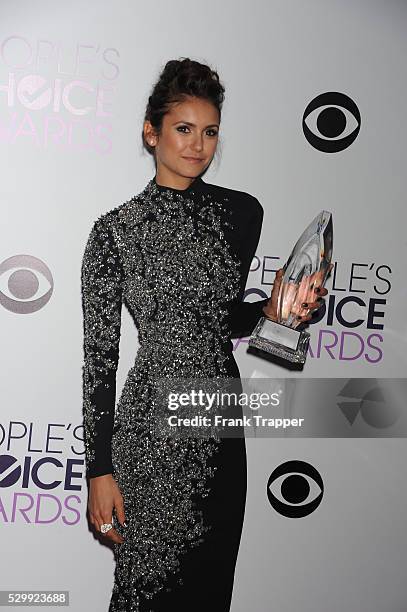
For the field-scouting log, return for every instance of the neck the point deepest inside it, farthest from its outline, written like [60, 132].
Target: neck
[175, 181]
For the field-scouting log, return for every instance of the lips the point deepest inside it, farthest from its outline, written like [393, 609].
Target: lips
[193, 158]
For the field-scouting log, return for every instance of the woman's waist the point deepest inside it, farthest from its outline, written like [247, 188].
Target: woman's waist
[183, 340]
[172, 357]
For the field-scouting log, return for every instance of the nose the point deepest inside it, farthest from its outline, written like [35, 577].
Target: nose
[198, 143]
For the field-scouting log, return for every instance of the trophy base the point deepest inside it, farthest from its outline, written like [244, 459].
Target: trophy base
[280, 340]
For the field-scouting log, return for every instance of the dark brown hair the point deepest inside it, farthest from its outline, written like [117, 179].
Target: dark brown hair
[178, 79]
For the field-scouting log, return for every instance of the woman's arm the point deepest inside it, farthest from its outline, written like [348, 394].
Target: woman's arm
[245, 315]
[102, 281]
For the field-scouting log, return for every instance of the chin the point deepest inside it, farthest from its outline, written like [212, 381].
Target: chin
[190, 167]
[191, 172]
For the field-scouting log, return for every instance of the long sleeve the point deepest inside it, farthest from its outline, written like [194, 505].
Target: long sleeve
[245, 315]
[102, 281]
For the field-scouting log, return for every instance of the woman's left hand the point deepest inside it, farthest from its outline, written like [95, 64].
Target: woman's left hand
[308, 297]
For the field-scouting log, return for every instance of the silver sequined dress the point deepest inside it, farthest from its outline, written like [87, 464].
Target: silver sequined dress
[178, 260]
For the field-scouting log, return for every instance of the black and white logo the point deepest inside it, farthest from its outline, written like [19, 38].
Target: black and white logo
[331, 122]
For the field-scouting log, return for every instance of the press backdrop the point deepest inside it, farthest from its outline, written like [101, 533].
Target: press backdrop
[314, 118]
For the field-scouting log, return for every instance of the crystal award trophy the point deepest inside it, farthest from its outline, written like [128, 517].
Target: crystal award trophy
[306, 267]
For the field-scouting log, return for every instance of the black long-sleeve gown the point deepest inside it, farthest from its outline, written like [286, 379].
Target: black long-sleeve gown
[179, 260]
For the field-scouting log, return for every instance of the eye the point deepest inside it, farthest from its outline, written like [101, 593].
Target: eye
[210, 132]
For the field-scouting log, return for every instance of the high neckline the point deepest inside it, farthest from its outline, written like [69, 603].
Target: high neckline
[196, 185]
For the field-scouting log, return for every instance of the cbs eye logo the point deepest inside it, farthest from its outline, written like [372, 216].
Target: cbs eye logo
[28, 278]
[331, 122]
[288, 488]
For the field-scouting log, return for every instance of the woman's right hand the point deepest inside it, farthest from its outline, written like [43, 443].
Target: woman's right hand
[104, 495]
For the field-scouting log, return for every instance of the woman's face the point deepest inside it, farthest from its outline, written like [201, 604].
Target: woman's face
[188, 139]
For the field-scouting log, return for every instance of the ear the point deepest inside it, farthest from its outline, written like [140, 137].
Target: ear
[149, 133]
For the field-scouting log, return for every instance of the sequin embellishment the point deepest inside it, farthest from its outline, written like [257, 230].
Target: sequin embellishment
[163, 254]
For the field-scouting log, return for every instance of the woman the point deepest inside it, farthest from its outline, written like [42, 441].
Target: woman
[178, 254]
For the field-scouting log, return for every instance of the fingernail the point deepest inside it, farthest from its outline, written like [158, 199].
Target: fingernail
[304, 304]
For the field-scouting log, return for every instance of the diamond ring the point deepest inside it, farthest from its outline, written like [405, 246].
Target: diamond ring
[106, 527]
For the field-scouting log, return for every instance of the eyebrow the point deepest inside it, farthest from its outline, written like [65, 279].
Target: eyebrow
[194, 125]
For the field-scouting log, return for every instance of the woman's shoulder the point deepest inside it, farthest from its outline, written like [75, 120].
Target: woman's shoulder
[237, 198]
[110, 218]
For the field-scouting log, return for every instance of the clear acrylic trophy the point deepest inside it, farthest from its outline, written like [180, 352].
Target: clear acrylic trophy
[306, 267]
